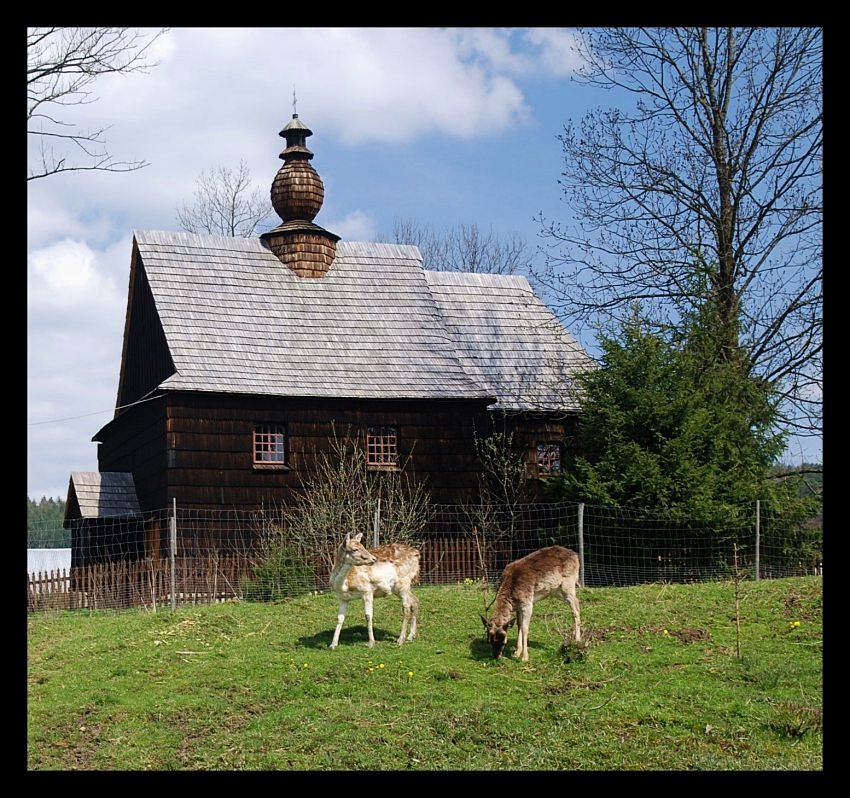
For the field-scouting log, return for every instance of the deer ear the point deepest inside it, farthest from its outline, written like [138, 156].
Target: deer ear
[358, 536]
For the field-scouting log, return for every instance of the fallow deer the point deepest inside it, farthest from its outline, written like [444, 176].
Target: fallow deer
[360, 573]
[552, 571]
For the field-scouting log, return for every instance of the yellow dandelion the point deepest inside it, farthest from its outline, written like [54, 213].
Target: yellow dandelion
[410, 674]
[381, 665]
[371, 669]
[666, 632]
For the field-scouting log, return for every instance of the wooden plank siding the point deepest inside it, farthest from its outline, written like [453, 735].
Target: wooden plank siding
[210, 440]
[106, 540]
[531, 429]
[135, 441]
[146, 360]
[198, 448]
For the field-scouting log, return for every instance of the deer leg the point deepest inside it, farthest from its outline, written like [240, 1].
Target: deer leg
[520, 627]
[414, 611]
[572, 599]
[404, 618]
[524, 623]
[340, 620]
[409, 603]
[367, 604]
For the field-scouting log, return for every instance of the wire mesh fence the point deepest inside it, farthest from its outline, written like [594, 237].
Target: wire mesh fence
[182, 555]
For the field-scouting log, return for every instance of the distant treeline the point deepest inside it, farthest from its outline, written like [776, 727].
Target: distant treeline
[44, 524]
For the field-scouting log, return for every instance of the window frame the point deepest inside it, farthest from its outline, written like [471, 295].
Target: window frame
[377, 444]
[269, 431]
[540, 451]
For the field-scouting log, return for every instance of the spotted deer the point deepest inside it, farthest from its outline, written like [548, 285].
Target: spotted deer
[360, 573]
[552, 571]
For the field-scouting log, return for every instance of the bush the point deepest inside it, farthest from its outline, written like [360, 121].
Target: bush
[282, 573]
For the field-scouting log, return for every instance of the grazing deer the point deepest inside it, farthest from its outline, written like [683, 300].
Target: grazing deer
[552, 571]
[360, 573]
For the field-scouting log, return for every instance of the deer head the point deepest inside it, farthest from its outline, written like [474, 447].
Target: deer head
[354, 552]
[497, 635]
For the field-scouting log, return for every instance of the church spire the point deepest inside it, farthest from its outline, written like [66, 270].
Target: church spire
[297, 195]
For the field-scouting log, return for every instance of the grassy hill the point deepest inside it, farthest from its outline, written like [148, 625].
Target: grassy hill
[242, 686]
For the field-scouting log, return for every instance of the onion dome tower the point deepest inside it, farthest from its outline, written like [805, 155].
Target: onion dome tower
[297, 196]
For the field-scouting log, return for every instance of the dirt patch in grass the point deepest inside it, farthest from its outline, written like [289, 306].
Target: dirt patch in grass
[597, 635]
[796, 607]
[691, 635]
[570, 684]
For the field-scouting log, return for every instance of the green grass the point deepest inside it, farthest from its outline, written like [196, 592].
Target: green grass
[242, 686]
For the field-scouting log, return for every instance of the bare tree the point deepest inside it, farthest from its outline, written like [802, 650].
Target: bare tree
[464, 248]
[225, 204]
[62, 64]
[341, 495]
[503, 488]
[503, 480]
[709, 186]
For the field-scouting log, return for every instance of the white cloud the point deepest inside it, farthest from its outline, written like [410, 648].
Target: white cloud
[219, 95]
[50, 219]
[491, 47]
[75, 325]
[556, 50]
[355, 226]
[65, 274]
[368, 84]
[519, 51]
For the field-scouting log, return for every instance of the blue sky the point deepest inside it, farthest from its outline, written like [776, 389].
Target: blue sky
[438, 125]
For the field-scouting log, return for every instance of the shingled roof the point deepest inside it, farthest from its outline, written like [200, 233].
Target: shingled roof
[376, 326]
[101, 494]
[509, 339]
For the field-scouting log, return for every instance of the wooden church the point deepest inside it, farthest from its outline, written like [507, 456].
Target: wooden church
[242, 358]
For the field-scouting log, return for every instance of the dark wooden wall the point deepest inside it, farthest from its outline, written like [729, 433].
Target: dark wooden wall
[146, 361]
[136, 441]
[210, 444]
[106, 540]
[198, 448]
[531, 429]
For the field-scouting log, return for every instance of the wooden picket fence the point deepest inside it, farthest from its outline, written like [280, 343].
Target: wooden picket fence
[218, 577]
[452, 559]
[143, 583]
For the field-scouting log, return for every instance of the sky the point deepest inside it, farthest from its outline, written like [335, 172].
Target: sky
[441, 126]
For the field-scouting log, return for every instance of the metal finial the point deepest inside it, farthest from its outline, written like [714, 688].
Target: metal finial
[294, 102]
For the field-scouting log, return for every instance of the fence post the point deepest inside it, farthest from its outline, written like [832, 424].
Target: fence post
[758, 536]
[376, 525]
[173, 557]
[581, 543]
